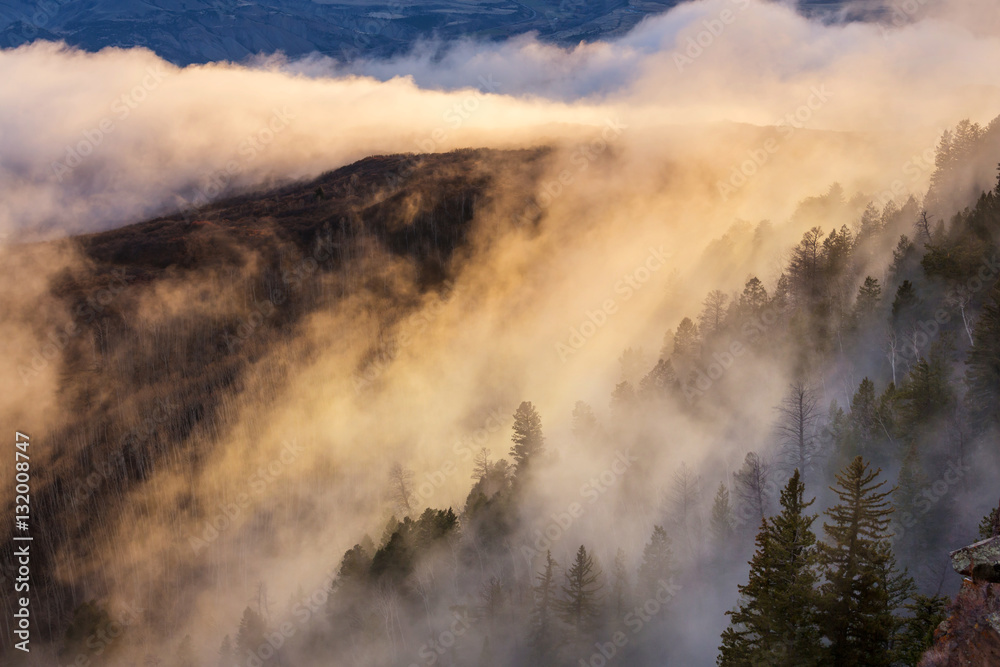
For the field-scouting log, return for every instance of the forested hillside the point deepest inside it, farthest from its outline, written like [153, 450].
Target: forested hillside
[826, 545]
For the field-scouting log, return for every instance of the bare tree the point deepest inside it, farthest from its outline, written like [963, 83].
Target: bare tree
[892, 349]
[683, 499]
[401, 488]
[963, 306]
[798, 414]
[752, 486]
[924, 228]
[481, 465]
[713, 314]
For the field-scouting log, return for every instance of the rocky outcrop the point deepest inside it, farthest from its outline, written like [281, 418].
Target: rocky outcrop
[970, 637]
[980, 561]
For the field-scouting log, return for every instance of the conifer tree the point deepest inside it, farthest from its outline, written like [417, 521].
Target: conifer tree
[777, 621]
[621, 591]
[722, 524]
[585, 426]
[543, 622]
[250, 636]
[983, 374]
[863, 589]
[528, 439]
[226, 656]
[869, 298]
[657, 561]
[580, 607]
[686, 342]
[926, 614]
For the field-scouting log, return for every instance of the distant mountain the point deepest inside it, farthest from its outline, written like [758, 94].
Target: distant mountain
[199, 31]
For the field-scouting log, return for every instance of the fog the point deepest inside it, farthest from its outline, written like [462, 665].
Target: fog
[668, 144]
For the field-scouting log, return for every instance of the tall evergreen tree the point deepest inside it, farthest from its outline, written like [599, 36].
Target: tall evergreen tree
[543, 639]
[250, 635]
[776, 623]
[926, 614]
[580, 606]
[686, 343]
[983, 374]
[869, 299]
[585, 426]
[621, 590]
[528, 440]
[657, 561]
[722, 524]
[863, 589]
[226, 656]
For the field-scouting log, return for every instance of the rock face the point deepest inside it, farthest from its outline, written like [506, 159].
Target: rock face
[981, 560]
[970, 637]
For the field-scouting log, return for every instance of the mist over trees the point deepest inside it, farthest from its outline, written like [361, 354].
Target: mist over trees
[823, 542]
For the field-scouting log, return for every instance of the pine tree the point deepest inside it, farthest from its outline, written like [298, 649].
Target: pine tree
[926, 614]
[754, 297]
[543, 638]
[686, 344]
[869, 299]
[621, 591]
[529, 442]
[580, 607]
[585, 426]
[250, 636]
[990, 525]
[623, 401]
[863, 590]
[983, 374]
[226, 656]
[659, 382]
[722, 523]
[777, 620]
[657, 561]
